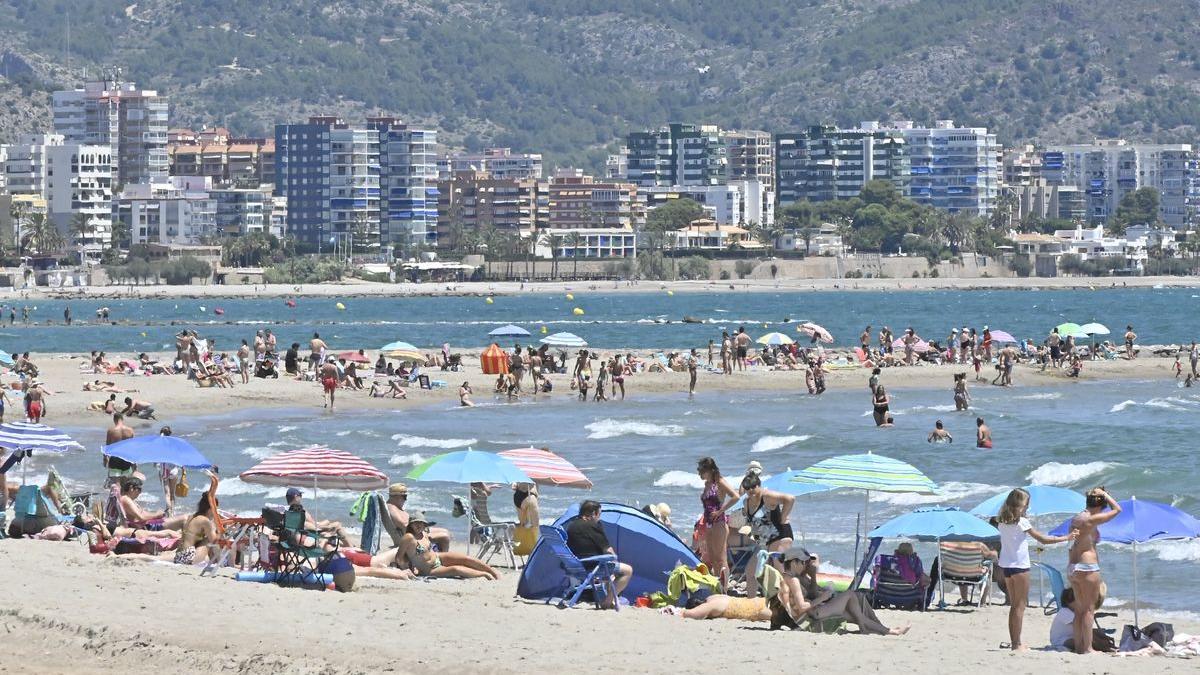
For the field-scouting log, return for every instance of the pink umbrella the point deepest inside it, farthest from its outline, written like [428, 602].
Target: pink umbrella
[317, 466]
[1001, 336]
[547, 468]
[354, 356]
[919, 347]
[813, 330]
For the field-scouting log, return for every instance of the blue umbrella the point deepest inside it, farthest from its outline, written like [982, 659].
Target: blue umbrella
[1140, 522]
[158, 450]
[936, 523]
[469, 466]
[1043, 500]
[509, 331]
[782, 482]
[6, 358]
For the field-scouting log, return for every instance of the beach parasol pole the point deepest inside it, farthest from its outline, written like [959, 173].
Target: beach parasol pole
[1135, 588]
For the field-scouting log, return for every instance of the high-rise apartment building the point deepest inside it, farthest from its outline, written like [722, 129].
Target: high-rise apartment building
[954, 169]
[130, 120]
[826, 163]
[499, 163]
[178, 210]
[678, 154]
[408, 180]
[1107, 170]
[245, 162]
[475, 201]
[750, 156]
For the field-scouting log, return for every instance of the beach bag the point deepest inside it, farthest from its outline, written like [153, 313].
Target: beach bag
[1159, 632]
[1133, 639]
[1103, 642]
[182, 488]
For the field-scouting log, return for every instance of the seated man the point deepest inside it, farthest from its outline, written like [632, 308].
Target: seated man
[397, 498]
[586, 538]
[800, 576]
[293, 497]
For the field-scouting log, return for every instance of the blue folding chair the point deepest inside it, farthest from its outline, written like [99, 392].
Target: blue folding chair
[1057, 585]
[577, 579]
[890, 590]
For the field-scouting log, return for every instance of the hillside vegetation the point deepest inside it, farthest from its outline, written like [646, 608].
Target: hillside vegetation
[568, 78]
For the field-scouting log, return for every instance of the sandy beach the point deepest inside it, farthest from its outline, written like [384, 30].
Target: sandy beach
[78, 613]
[355, 288]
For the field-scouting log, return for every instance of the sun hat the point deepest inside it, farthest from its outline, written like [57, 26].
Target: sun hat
[397, 489]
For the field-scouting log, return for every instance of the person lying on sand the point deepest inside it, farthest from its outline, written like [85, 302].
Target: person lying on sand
[108, 387]
[417, 550]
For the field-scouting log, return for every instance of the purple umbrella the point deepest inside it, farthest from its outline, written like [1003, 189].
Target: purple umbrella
[919, 347]
[1001, 336]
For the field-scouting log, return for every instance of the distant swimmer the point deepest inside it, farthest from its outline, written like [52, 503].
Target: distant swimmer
[983, 435]
[939, 434]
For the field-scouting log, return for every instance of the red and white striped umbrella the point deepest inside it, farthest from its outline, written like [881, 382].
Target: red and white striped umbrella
[813, 330]
[316, 467]
[547, 468]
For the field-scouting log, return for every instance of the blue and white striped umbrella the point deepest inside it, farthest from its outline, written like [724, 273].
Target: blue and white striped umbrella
[564, 340]
[28, 436]
[867, 472]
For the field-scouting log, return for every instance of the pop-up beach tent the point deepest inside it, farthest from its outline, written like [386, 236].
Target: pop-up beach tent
[639, 540]
[494, 360]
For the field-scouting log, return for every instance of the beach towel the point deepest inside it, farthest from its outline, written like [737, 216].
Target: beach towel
[684, 579]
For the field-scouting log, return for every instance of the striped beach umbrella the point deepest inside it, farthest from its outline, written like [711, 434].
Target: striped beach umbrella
[564, 340]
[1002, 336]
[813, 330]
[403, 351]
[547, 468]
[318, 467]
[775, 339]
[22, 438]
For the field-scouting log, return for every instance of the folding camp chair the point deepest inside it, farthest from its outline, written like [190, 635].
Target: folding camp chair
[1057, 586]
[577, 579]
[493, 537]
[299, 550]
[889, 588]
[965, 565]
[234, 535]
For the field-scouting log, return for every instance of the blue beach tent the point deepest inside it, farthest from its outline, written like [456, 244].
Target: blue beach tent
[639, 540]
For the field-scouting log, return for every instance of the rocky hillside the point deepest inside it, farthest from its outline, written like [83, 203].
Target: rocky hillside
[568, 78]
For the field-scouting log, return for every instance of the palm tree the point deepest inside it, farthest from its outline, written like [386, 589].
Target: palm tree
[41, 235]
[573, 241]
[20, 216]
[81, 229]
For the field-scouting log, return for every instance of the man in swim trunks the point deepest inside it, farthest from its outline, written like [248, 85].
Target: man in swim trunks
[742, 341]
[37, 405]
[329, 382]
[1055, 342]
[983, 435]
[140, 409]
[316, 351]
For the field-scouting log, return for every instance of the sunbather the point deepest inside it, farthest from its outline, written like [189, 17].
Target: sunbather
[138, 518]
[199, 533]
[819, 603]
[417, 549]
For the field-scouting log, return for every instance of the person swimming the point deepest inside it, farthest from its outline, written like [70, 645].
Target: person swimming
[939, 434]
[983, 435]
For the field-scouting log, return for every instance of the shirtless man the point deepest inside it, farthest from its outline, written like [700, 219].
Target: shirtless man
[692, 359]
[1054, 341]
[397, 498]
[37, 404]
[1130, 336]
[1084, 562]
[183, 348]
[939, 434]
[742, 342]
[316, 351]
[140, 409]
[464, 395]
[983, 435]
[243, 357]
[864, 340]
[329, 382]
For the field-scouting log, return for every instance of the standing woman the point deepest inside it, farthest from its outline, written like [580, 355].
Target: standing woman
[1083, 570]
[769, 514]
[880, 402]
[1015, 530]
[718, 495]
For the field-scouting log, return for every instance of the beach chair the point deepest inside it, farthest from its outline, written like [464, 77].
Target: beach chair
[964, 564]
[299, 550]
[493, 537]
[235, 535]
[889, 588]
[1058, 584]
[577, 579]
[769, 580]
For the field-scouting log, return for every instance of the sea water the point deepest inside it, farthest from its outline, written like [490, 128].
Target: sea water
[651, 319]
[1136, 438]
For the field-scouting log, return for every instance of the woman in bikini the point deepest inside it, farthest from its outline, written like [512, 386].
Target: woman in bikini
[717, 497]
[199, 532]
[1084, 562]
[768, 512]
[416, 550]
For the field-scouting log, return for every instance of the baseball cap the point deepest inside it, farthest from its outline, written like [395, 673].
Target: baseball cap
[293, 493]
[797, 553]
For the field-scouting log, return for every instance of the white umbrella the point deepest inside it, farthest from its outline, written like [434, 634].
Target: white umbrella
[1094, 329]
[564, 340]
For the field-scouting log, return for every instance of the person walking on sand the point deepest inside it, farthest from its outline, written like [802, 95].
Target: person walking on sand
[1083, 570]
[617, 373]
[1015, 531]
[1130, 336]
[983, 435]
[329, 382]
[691, 366]
[864, 340]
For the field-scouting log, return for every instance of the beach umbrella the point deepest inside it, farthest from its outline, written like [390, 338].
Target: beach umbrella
[564, 340]
[938, 524]
[509, 331]
[920, 346]
[1068, 328]
[782, 482]
[867, 472]
[469, 466]
[354, 356]
[22, 438]
[1002, 336]
[775, 339]
[813, 330]
[158, 449]
[318, 467]
[402, 351]
[1094, 329]
[6, 358]
[1138, 523]
[547, 468]
[1043, 500]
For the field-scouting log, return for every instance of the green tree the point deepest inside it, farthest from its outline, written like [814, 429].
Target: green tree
[41, 235]
[574, 241]
[1139, 207]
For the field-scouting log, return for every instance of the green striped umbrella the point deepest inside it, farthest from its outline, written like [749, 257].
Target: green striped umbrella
[1068, 328]
[867, 472]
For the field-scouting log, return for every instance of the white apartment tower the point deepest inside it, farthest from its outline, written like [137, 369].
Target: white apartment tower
[131, 121]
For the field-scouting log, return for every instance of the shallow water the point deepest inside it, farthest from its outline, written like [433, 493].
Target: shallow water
[1137, 438]
[610, 320]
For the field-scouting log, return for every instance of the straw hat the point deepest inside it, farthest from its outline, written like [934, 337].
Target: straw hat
[755, 468]
[397, 489]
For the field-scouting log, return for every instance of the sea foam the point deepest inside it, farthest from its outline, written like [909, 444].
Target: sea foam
[407, 441]
[686, 479]
[610, 428]
[405, 460]
[947, 492]
[769, 443]
[1057, 473]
